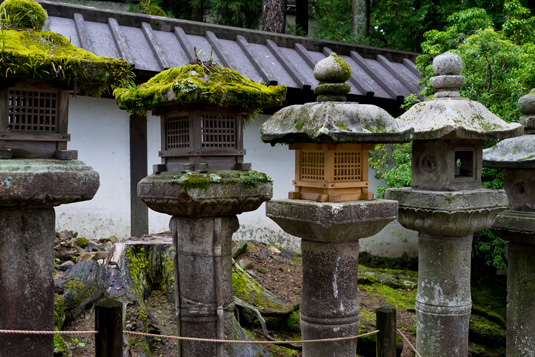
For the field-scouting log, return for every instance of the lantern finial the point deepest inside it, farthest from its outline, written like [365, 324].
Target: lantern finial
[332, 72]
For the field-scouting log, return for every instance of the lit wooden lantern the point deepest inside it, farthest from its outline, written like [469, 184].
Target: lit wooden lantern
[331, 172]
[331, 138]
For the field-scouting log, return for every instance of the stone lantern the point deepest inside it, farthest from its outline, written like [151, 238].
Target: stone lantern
[37, 172]
[517, 226]
[446, 204]
[203, 183]
[335, 210]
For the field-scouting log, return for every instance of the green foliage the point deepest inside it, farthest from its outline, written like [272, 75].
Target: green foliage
[239, 13]
[499, 65]
[22, 14]
[489, 248]
[392, 165]
[150, 7]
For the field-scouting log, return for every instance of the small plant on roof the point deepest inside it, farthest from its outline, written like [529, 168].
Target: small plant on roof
[22, 14]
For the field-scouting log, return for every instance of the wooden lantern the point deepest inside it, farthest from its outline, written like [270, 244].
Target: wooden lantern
[331, 172]
[201, 138]
[33, 122]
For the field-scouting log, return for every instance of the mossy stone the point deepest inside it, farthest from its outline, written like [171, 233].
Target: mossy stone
[332, 69]
[199, 84]
[22, 14]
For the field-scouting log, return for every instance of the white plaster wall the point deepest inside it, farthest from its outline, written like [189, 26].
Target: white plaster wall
[100, 133]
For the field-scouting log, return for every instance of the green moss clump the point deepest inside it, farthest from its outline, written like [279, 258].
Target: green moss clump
[22, 14]
[198, 84]
[48, 56]
[60, 347]
[138, 264]
[59, 311]
[198, 180]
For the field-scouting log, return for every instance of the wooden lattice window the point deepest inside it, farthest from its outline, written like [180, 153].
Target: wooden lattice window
[312, 165]
[347, 166]
[218, 131]
[177, 132]
[33, 110]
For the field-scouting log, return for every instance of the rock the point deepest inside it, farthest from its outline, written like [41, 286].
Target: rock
[84, 257]
[239, 248]
[65, 266]
[100, 255]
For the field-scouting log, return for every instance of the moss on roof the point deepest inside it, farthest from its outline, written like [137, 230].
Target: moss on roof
[48, 56]
[22, 14]
[198, 84]
[27, 53]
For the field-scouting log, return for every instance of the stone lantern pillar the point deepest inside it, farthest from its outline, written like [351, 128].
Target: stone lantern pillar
[517, 226]
[204, 184]
[446, 204]
[37, 172]
[331, 208]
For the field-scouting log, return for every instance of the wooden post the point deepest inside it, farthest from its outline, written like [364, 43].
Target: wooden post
[139, 213]
[109, 324]
[386, 338]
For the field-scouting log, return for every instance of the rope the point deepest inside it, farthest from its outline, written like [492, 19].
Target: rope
[22, 332]
[249, 342]
[411, 346]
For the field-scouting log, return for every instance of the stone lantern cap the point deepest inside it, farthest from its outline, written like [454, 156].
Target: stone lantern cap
[449, 115]
[200, 82]
[330, 120]
[28, 53]
[519, 152]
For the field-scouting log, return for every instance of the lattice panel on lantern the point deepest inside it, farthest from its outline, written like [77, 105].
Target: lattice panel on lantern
[218, 131]
[312, 165]
[347, 166]
[32, 110]
[177, 132]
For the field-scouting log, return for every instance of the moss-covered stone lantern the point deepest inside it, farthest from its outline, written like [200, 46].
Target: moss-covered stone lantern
[331, 208]
[517, 226]
[446, 204]
[37, 172]
[204, 184]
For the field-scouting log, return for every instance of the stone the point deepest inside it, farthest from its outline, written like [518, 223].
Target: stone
[162, 194]
[65, 266]
[85, 257]
[332, 69]
[333, 122]
[100, 255]
[447, 63]
[456, 213]
[334, 221]
[515, 153]
[45, 182]
[239, 248]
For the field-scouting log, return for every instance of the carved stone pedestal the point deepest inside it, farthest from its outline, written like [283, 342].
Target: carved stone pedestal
[202, 225]
[446, 222]
[330, 233]
[519, 229]
[29, 189]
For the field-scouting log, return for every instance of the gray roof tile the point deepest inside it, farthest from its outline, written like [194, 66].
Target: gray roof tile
[151, 43]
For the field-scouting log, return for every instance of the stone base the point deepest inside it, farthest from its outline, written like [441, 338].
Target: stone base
[333, 221]
[445, 213]
[329, 304]
[515, 226]
[162, 193]
[203, 282]
[26, 284]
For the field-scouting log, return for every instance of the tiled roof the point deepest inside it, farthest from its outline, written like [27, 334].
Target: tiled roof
[379, 76]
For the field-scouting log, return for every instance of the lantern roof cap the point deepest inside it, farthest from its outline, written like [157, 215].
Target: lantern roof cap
[519, 152]
[199, 82]
[331, 119]
[447, 114]
[42, 56]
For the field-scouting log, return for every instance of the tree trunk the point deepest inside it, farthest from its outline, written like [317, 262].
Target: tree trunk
[301, 15]
[274, 15]
[197, 10]
[360, 17]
